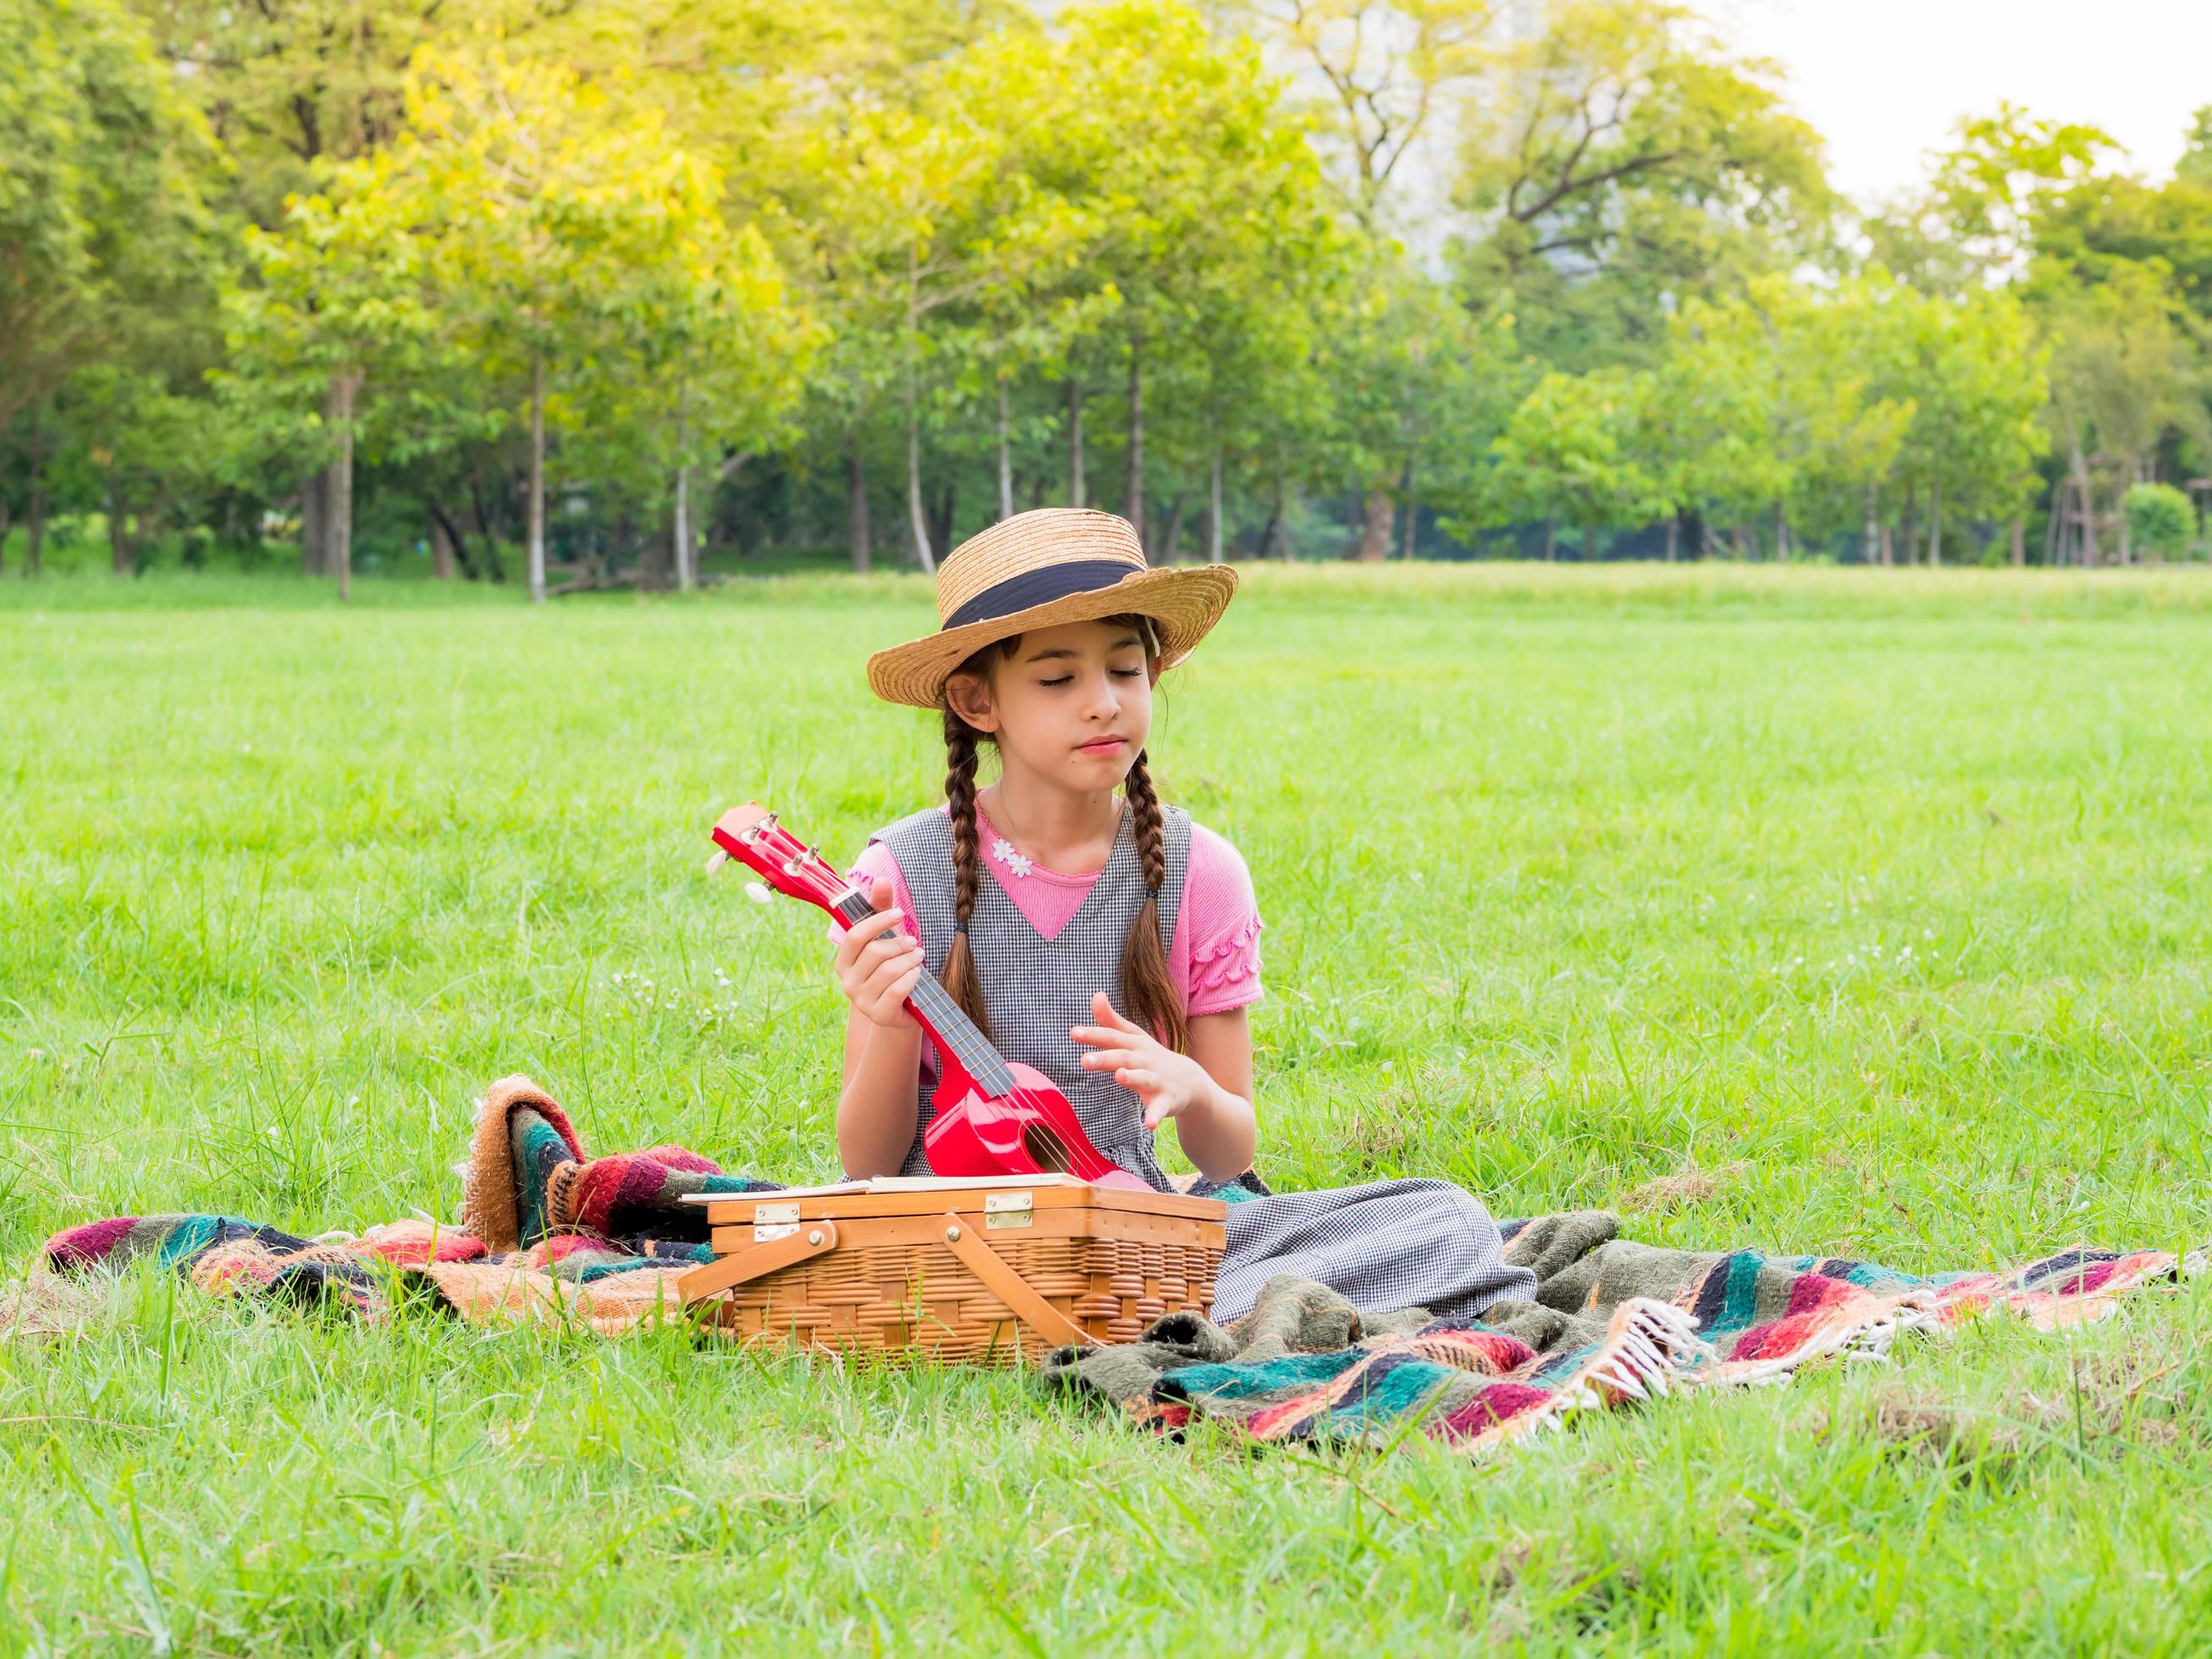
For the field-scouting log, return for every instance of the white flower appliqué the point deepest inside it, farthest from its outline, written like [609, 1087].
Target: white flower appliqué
[1003, 850]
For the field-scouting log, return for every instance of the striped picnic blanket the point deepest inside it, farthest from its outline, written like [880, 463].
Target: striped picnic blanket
[1614, 1321]
[550, 1236]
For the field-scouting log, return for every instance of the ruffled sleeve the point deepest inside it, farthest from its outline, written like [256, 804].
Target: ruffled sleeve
[1221, 920]
[875, 864]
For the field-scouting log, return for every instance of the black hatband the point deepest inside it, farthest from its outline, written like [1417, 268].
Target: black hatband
[1041, 587]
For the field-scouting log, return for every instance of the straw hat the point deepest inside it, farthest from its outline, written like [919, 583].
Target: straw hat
[1058, 564]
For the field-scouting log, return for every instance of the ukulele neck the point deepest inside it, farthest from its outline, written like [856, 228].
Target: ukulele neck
[941, 1016]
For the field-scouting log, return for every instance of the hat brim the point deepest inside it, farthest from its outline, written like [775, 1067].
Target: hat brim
[1185, 601]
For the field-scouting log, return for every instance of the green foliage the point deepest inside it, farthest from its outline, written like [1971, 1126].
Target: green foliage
[1990, 192]
[2195, 165]
[101, 212]
[2160, 522]
[751, 265]
[1570, 451]
[1622, 159]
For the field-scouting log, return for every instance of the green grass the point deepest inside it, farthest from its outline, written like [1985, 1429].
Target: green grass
[1573, 881]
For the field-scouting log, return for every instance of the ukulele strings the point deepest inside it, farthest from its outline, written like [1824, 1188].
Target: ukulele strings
[1062, 1156]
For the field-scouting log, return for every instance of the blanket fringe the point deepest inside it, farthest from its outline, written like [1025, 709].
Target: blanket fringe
[1865, 1330]
[1649, 1346]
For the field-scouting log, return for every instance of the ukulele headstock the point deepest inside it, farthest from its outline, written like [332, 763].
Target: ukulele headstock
[751, 835]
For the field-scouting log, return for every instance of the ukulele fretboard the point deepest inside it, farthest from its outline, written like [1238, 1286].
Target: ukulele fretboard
[945, 1017]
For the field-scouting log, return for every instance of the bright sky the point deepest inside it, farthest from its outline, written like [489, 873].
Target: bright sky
[1884, 80]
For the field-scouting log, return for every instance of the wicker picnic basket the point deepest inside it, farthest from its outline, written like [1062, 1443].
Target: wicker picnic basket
[985, 1271]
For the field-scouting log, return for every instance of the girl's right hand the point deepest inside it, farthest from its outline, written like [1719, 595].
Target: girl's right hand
[879, 963]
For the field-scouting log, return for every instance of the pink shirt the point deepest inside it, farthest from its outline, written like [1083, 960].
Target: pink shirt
[1214, 962]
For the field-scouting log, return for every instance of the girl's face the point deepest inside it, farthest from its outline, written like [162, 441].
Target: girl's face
[1072, 704]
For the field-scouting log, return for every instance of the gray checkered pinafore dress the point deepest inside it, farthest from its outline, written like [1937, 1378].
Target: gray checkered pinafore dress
[1386, 1244]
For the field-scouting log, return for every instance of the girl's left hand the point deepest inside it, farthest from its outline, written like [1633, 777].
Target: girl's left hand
[1170, 1083]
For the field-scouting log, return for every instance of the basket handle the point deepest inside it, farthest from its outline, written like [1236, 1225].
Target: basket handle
[1011, 1288]
[727, 1271]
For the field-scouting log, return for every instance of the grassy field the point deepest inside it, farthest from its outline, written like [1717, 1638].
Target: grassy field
[1855, 912]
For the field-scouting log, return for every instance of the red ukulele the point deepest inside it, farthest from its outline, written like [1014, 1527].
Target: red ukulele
[989, 1116]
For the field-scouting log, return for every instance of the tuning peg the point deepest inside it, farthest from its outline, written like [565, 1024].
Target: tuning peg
[716, 859]
[758, 893]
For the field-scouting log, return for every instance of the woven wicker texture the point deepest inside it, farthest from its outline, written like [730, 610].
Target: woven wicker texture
[919, 1302]
[1185, 603]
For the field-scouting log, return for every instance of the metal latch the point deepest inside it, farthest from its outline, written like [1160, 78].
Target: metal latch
[1006, 1210]
[763, 1214]
[764, 1232]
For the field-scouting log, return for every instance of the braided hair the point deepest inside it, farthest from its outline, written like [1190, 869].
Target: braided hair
[1146, 994]
[962, 741]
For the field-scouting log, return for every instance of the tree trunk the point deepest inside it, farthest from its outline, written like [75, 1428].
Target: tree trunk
[1910, 535]
[122, 558]
[538, 478]
[1213, 510]
[6, 524]
[679, 537]
[495, 566]
[680, 542]
[858, 536]
[2090, 554]
[1075, 443]
[35, 531]
[1935, 522]
[2019, 541]
[1133, 498]
[314, 496]
[1589, 541]
[456, 544]
[2127, 553]
[1005, 458]
[1674, 538]
[1172, 539]
[918, 520]
[342, 394]
[1412, 512]
[940, 521]
[441, 550]
[1781, 534]
[1378, 518]
[1872, 533]
[1278, 528]
[1550, 538]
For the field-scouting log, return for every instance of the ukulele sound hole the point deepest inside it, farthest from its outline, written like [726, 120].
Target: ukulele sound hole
[1046, 1150]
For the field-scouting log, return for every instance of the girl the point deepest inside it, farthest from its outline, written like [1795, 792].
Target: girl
[1107, 941]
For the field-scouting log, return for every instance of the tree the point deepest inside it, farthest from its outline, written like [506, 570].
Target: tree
[1976, 221]
[2161, 521]
[108, 253]
[1568, 450]
[1215, 216]
[1621, 160]
[1420, 385]
[1813, 407]
[1387, 71]
[340, 301]
[2124, 373]
[2194, 166]
[554, 211]
[288, 85]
